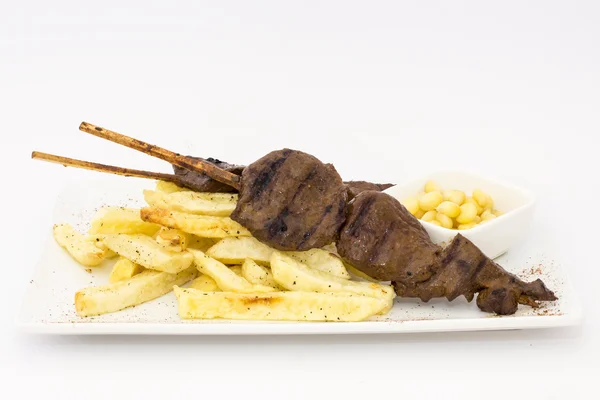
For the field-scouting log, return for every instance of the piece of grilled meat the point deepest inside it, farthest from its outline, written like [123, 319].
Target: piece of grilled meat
[292, 201]
[382, 239]
[356, 187]
[203, 183]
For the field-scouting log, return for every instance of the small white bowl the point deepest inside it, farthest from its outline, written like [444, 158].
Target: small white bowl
[493, 238]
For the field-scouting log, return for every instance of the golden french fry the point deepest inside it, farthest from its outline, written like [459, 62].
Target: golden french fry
[108, 253]
[124, 269]
[258, 275]
[285, 306]
[121, 220]
[235, 250]
[145, 251]
[200, 225]
[143, 287]
[201, 243]
[227, 279]
[205, 283]
[84, 251]
[321, 260]
[236, 269]
[172, 239]
[294, 275]
[168, 187]
[215, 204]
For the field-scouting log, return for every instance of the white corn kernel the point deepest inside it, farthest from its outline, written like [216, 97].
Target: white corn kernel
[429, 216]
[411, 204]
[445, 220]
[429, 201]
[470, 200]
[455, 196]
[463, 227]
[448, 208]
[487, 215]
[468, 212]
[490, 203]
[432, 186]
[480, 197]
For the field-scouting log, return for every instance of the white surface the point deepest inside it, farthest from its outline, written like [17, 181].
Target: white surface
[381, 89]
[48, 304]
[493, 238]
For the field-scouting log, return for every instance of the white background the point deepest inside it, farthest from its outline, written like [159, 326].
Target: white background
[384, 90]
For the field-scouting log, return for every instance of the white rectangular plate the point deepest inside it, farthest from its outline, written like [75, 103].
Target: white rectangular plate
[48, 305]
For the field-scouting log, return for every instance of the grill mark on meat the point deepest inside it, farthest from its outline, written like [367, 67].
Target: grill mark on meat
[306, 236]
[355, 225]
[304, 182]
[463, 265]
[265, 176]
[312, 230]
[313, 193]
[469, 285]
[376, 249]
[450, 253]
[478, 268]
[278, 225]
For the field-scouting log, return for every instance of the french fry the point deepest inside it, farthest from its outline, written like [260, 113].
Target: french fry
[215, 204]
[235, 250]
[294, 275]
[108, 253]
[236, 269]
[168, 187]
[172, 239]
[201, 243]
[227, 279]
[84, 251]
[121, 220]
[286, 306]
[258, 275]
[143, 287]
[321, 260]
[205, 283]
[200, 225]
[124, 269]
[145, 251]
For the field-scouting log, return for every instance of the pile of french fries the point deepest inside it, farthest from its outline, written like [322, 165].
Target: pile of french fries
[185, 242]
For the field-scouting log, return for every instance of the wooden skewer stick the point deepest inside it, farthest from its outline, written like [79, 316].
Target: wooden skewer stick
[71, 162]
[206, 168]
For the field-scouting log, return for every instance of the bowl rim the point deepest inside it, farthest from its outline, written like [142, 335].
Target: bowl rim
[527, 194]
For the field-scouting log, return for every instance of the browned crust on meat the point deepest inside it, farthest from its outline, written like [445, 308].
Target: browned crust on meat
[292, 201]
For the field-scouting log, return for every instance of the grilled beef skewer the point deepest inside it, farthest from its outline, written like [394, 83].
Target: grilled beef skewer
[382, 239]
[191, 163]
[204, 183]
[292, 201]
